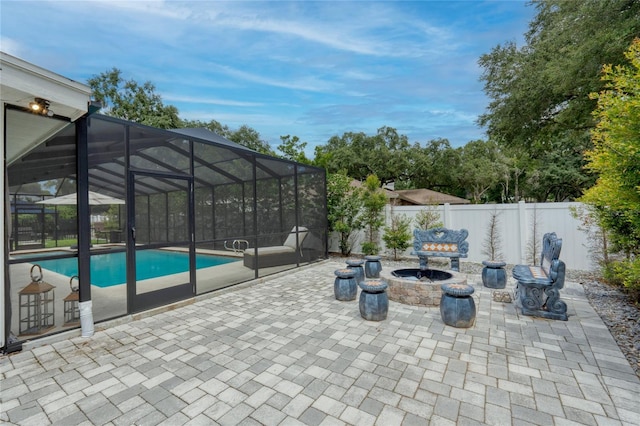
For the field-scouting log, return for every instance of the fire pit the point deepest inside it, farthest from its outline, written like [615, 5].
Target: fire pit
[419, 287]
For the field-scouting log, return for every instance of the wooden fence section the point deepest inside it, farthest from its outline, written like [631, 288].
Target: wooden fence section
[518, 225]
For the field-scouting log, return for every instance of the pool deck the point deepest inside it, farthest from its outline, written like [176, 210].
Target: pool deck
[283, 351]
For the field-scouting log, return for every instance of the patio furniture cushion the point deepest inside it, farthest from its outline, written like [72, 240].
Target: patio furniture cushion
[285, 254]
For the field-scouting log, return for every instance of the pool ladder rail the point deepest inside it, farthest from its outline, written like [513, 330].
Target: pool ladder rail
[237, 246]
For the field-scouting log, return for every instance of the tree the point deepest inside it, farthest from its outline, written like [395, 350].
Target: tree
[128, 100]
[616, 158]
[373, 202]
[540, 92]
[397, 236]
[213, 125]
[292, 149]
[543, 88]
[434, 166]
[246, 136]
[557, 175]
[344, 202]
[428, 217]
[493, 238]
[481, 167]
[384, 154]
[533, 245]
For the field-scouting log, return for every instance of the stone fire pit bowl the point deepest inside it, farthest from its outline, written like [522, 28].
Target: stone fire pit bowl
[419, 292]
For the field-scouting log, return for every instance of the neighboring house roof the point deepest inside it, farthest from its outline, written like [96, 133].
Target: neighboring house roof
[424, 196]
[419, 197]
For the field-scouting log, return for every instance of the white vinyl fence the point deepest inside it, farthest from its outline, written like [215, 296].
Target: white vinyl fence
[516, 229]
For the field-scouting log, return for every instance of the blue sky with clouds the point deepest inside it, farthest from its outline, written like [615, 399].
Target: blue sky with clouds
[310, 69]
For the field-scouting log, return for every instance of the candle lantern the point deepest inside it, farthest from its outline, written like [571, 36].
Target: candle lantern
[71, 309]
[37, 309]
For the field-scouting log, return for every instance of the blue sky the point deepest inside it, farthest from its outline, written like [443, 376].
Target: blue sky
[309, 69]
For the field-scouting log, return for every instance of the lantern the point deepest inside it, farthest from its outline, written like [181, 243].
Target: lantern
[37, 309]
[71, 309]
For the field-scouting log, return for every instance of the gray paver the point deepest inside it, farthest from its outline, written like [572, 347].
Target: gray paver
[372, 406]
[103, 414]
[279, 400]
[268, 415]
[312, 417]
[76, 418]
[285, 352]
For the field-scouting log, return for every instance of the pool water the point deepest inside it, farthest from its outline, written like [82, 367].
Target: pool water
[109, 269]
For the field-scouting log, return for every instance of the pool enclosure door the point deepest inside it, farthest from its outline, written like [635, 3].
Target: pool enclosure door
[161, 250]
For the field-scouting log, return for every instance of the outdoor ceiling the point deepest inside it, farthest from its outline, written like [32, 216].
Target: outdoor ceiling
[22, 82]
[25, 130]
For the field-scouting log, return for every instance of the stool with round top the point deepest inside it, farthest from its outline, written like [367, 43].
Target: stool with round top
[372, 266]
[345, 287]
[457, 307]
[374, 302]
[356, 265]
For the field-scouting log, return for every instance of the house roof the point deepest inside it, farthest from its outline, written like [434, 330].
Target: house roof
[424, 196]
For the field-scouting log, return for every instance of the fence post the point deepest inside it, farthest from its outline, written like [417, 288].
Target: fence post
[447, 216]
[523, 227]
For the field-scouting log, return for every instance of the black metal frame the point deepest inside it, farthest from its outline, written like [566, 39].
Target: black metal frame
[98, 151]
[140, 302]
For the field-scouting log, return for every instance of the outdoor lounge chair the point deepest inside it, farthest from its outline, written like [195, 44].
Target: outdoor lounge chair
[285, 254]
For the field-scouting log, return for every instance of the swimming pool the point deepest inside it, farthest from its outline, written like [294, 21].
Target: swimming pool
[109, 269]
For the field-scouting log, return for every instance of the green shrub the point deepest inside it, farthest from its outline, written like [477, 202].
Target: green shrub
[397, 236]
[628, 272]
[369, 248]
[610, 276]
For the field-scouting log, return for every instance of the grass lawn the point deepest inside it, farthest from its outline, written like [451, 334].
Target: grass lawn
[68, 242]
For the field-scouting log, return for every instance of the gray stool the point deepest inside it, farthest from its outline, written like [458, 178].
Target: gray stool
[457, 307]
[345, 286]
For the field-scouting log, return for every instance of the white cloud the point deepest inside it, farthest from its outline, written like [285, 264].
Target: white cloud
[283, 67]
[310, 83]
[207, 100]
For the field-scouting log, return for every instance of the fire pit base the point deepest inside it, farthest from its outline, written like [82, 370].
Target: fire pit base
[409, 289]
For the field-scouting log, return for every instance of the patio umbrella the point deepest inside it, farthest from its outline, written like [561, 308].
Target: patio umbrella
[95, 199]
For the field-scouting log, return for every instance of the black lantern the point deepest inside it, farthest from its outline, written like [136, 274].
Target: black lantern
[71, 309]
[37, 309]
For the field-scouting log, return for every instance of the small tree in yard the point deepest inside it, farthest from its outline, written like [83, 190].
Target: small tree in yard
[373, 201]
[343, 205]
[428, 218]
[493, 239]
[533, 247]
[397, 236]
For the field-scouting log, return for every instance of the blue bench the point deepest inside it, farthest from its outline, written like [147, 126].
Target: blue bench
[440, 242]
[538, 288]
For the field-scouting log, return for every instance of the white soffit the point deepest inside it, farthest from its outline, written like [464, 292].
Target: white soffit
[20, 83]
